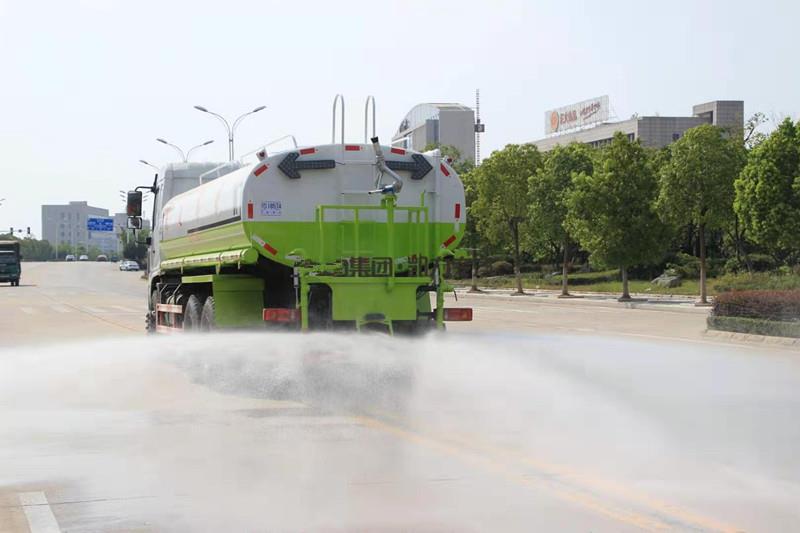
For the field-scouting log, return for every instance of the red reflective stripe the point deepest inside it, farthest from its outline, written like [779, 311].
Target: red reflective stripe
[260, 170]
[458, 314]
[250, 210]
[306, 151]
[398, 151]
[280, 314]
[270, 249]
[458, 210]
[449, 241]
[352, 147]
[444, 170]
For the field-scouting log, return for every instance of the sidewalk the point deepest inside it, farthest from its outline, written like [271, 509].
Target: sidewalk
[662, 302]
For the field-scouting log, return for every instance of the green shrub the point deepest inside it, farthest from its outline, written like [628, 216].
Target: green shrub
[460, 268]
[768, 305]
[757, 281]
[686, 266]
[754, 326]
[502, 268]
[761, 262]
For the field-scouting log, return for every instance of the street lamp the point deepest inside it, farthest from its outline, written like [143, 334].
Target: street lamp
[189, 152]
[142, 161]
[230, 129]
[183, 156]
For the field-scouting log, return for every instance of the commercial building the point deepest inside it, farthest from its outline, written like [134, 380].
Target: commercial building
[68, 225]
[652, 131]
[442, 124]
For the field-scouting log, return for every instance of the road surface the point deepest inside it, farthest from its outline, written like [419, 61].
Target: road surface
[542, 415]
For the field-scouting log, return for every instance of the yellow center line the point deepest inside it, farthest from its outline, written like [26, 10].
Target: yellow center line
[563, 482]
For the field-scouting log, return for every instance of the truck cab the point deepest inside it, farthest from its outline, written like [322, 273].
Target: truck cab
[10, 262]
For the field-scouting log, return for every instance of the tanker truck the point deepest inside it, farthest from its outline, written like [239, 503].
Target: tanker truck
[327, 237]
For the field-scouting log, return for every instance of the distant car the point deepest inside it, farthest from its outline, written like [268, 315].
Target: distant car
[129, 265]
[83, 258]
[102, 257]
[69, 257]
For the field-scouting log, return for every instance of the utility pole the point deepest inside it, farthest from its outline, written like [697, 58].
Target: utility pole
[479, 127]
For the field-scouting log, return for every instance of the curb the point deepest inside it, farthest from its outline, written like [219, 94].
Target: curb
[688, 298]
[751, 338]
[640, 301]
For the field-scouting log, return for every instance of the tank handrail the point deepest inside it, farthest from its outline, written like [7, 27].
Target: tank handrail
[338, 98]
[370, 98]
[275, 141]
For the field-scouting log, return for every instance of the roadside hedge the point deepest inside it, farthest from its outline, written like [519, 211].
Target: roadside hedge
[766, 305]
[754, 326]
[757, 281]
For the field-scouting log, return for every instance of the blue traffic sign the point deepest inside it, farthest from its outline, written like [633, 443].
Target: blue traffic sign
[100, 224]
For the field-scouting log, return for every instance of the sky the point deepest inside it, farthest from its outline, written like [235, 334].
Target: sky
[88, 85]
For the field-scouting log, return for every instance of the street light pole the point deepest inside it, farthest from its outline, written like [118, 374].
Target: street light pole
[189, 152]
[231, 130]
[183, 156]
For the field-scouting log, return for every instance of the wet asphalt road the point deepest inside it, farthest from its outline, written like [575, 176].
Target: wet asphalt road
[542, 415]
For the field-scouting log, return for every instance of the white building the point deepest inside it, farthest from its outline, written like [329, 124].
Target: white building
[68, 225]
[441, 124]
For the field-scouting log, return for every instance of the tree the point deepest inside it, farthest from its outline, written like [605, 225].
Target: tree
[501, 203]
[768, 192]
[612, 212]
[697, 184]
[753, 137]
[549, 188]
[135, 247]
[36, 250]
[472, 237]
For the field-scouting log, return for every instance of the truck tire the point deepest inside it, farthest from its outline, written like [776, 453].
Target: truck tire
[208, 320]
[192, 313]
[150, 318]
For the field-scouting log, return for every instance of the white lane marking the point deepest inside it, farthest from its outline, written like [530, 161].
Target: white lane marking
[38, 512]
[124, 309]
[60, 308]
[28, 310]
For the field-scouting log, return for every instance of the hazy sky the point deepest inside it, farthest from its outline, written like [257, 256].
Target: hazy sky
[88, 85]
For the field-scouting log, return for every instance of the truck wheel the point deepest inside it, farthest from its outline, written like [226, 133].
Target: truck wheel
[208, 316]
[150, 318]
[192, 313]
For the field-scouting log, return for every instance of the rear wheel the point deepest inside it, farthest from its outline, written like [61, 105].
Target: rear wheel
[150, 319]
[192, 313]
[208, 316]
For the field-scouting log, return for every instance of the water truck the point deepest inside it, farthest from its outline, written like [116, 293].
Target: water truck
[328, 237]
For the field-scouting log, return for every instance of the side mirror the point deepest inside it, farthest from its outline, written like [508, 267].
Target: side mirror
[135, 223]
[134, 206]
[148, 241]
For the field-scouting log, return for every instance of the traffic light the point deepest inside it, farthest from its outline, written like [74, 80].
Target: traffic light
[12, 231]
[29, 230]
